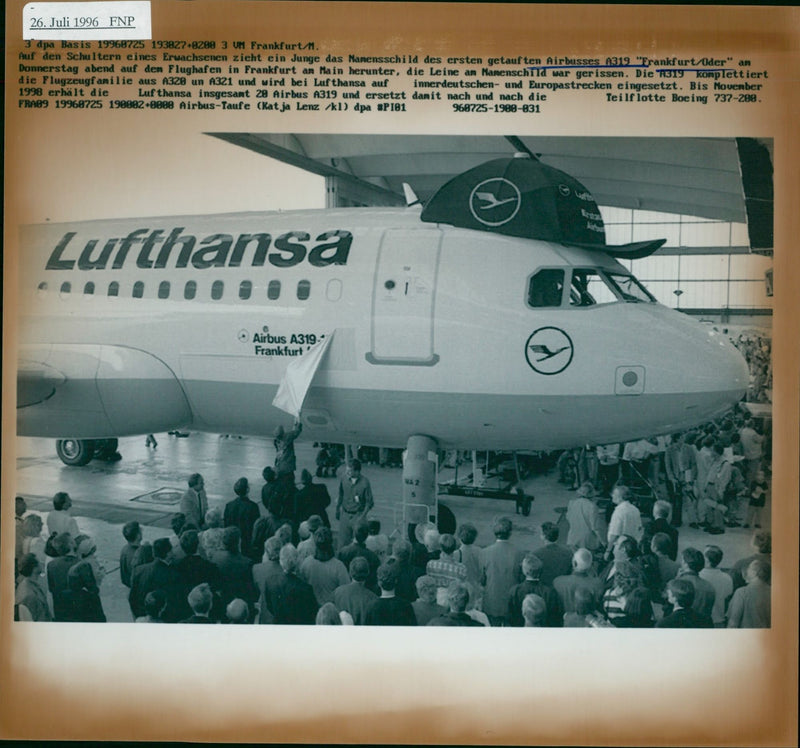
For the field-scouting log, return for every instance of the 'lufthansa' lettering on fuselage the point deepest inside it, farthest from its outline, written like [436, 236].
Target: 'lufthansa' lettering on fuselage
[162, 248]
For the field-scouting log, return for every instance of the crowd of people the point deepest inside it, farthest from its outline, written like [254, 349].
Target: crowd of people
[617, 563]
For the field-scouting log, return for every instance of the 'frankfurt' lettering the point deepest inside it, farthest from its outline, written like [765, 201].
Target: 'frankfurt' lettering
[202, 253]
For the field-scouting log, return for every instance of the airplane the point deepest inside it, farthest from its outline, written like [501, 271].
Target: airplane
[499, 324]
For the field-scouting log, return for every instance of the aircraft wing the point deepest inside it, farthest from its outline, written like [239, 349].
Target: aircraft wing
[297, 379]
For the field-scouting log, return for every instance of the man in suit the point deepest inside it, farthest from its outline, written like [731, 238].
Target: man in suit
[680, 594]
[194, 503]
[290, 599]
[200, 600]
[388, 609]
[159, 574]
[235, 570]
[193, 569]
[500, 571]
[242, 513]
[354, 597]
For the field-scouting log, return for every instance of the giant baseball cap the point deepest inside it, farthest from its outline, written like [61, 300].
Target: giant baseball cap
[521, 196]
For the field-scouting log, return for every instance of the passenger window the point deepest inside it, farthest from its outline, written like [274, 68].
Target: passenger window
[42, 288]
[163, 290]
[217, 288]
[88, 289]
[546, 288]
[138, 290]
[273, 290]
[190, 290]
[303, 290]
[66, 287]
[245, 289]
[113, 288]
[590, 287]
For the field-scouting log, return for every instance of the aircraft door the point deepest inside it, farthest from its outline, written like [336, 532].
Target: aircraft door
[403, 299]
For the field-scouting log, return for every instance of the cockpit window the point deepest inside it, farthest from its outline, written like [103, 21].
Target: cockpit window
[546, 288]
[629, 288]
[589, 287]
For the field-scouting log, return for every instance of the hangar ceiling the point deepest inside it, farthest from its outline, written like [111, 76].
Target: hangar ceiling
[726, 179]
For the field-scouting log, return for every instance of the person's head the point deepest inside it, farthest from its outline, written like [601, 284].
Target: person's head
[586, 490]
[532, 566]
[713, 554]
[501, 527]
[361, 532]
[426, 588]
[323, 540]
[402, 551]
[467, 533]
[620, 494]
[718, 448]
[582, 561]
[760, 476]
[196, 481]
[760, 570]
[242, 487]
[86, 547]
[660, 544]
[61, 501]
[155, 603]
[662, 509]
[268, 474]
[132, 531]
[692, 559]
[374, 527]
[550, 532]
[190, 541]
[680, 592]
[690, 437]
[328, 615]
[20, 506]
[626, 576]
[457, 597]
[431, 540]
[32, 526]
[708, 442]
[284, 533]
[305, 477]
[534, 610]
[288, 559]
[162, 548]
[314, 523]
[584, 601]
[29, 566]
[64, 544]
[214, 517]
[638, 608]
[231, 539]
[354, 469]
[272, 548]
[762, 541]
[448, 544]
[237, 611]
[359, 569]
[200, 599]
[625, 548]
[387, 577]
[177, 522]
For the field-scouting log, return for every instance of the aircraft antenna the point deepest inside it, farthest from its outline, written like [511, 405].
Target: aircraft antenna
[411, 196]
[521, 147]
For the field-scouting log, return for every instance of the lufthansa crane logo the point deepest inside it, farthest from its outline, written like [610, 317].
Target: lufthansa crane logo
[549, 350]
[495, 201]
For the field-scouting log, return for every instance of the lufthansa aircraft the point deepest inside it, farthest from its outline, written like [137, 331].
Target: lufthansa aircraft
[496, 317]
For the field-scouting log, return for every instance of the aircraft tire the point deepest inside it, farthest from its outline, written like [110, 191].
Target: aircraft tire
[75, 452]
[106, 449]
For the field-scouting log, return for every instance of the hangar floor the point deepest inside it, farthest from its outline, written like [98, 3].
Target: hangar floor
[147, 483]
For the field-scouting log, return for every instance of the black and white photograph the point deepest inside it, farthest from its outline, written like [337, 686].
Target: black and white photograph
[303, 375]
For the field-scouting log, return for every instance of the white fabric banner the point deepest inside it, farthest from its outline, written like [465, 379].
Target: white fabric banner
[298, 377]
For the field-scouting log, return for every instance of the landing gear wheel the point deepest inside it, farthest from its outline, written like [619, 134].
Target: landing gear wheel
[106, 449]
[75, 452]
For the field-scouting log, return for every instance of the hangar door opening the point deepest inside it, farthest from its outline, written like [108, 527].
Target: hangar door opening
[403, 299]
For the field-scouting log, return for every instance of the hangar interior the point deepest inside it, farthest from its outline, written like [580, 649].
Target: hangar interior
[711, 198]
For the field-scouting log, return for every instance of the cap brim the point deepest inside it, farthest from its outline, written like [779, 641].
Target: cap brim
[633, 251]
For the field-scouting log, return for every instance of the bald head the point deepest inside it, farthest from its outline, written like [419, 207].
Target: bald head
[582, 560]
